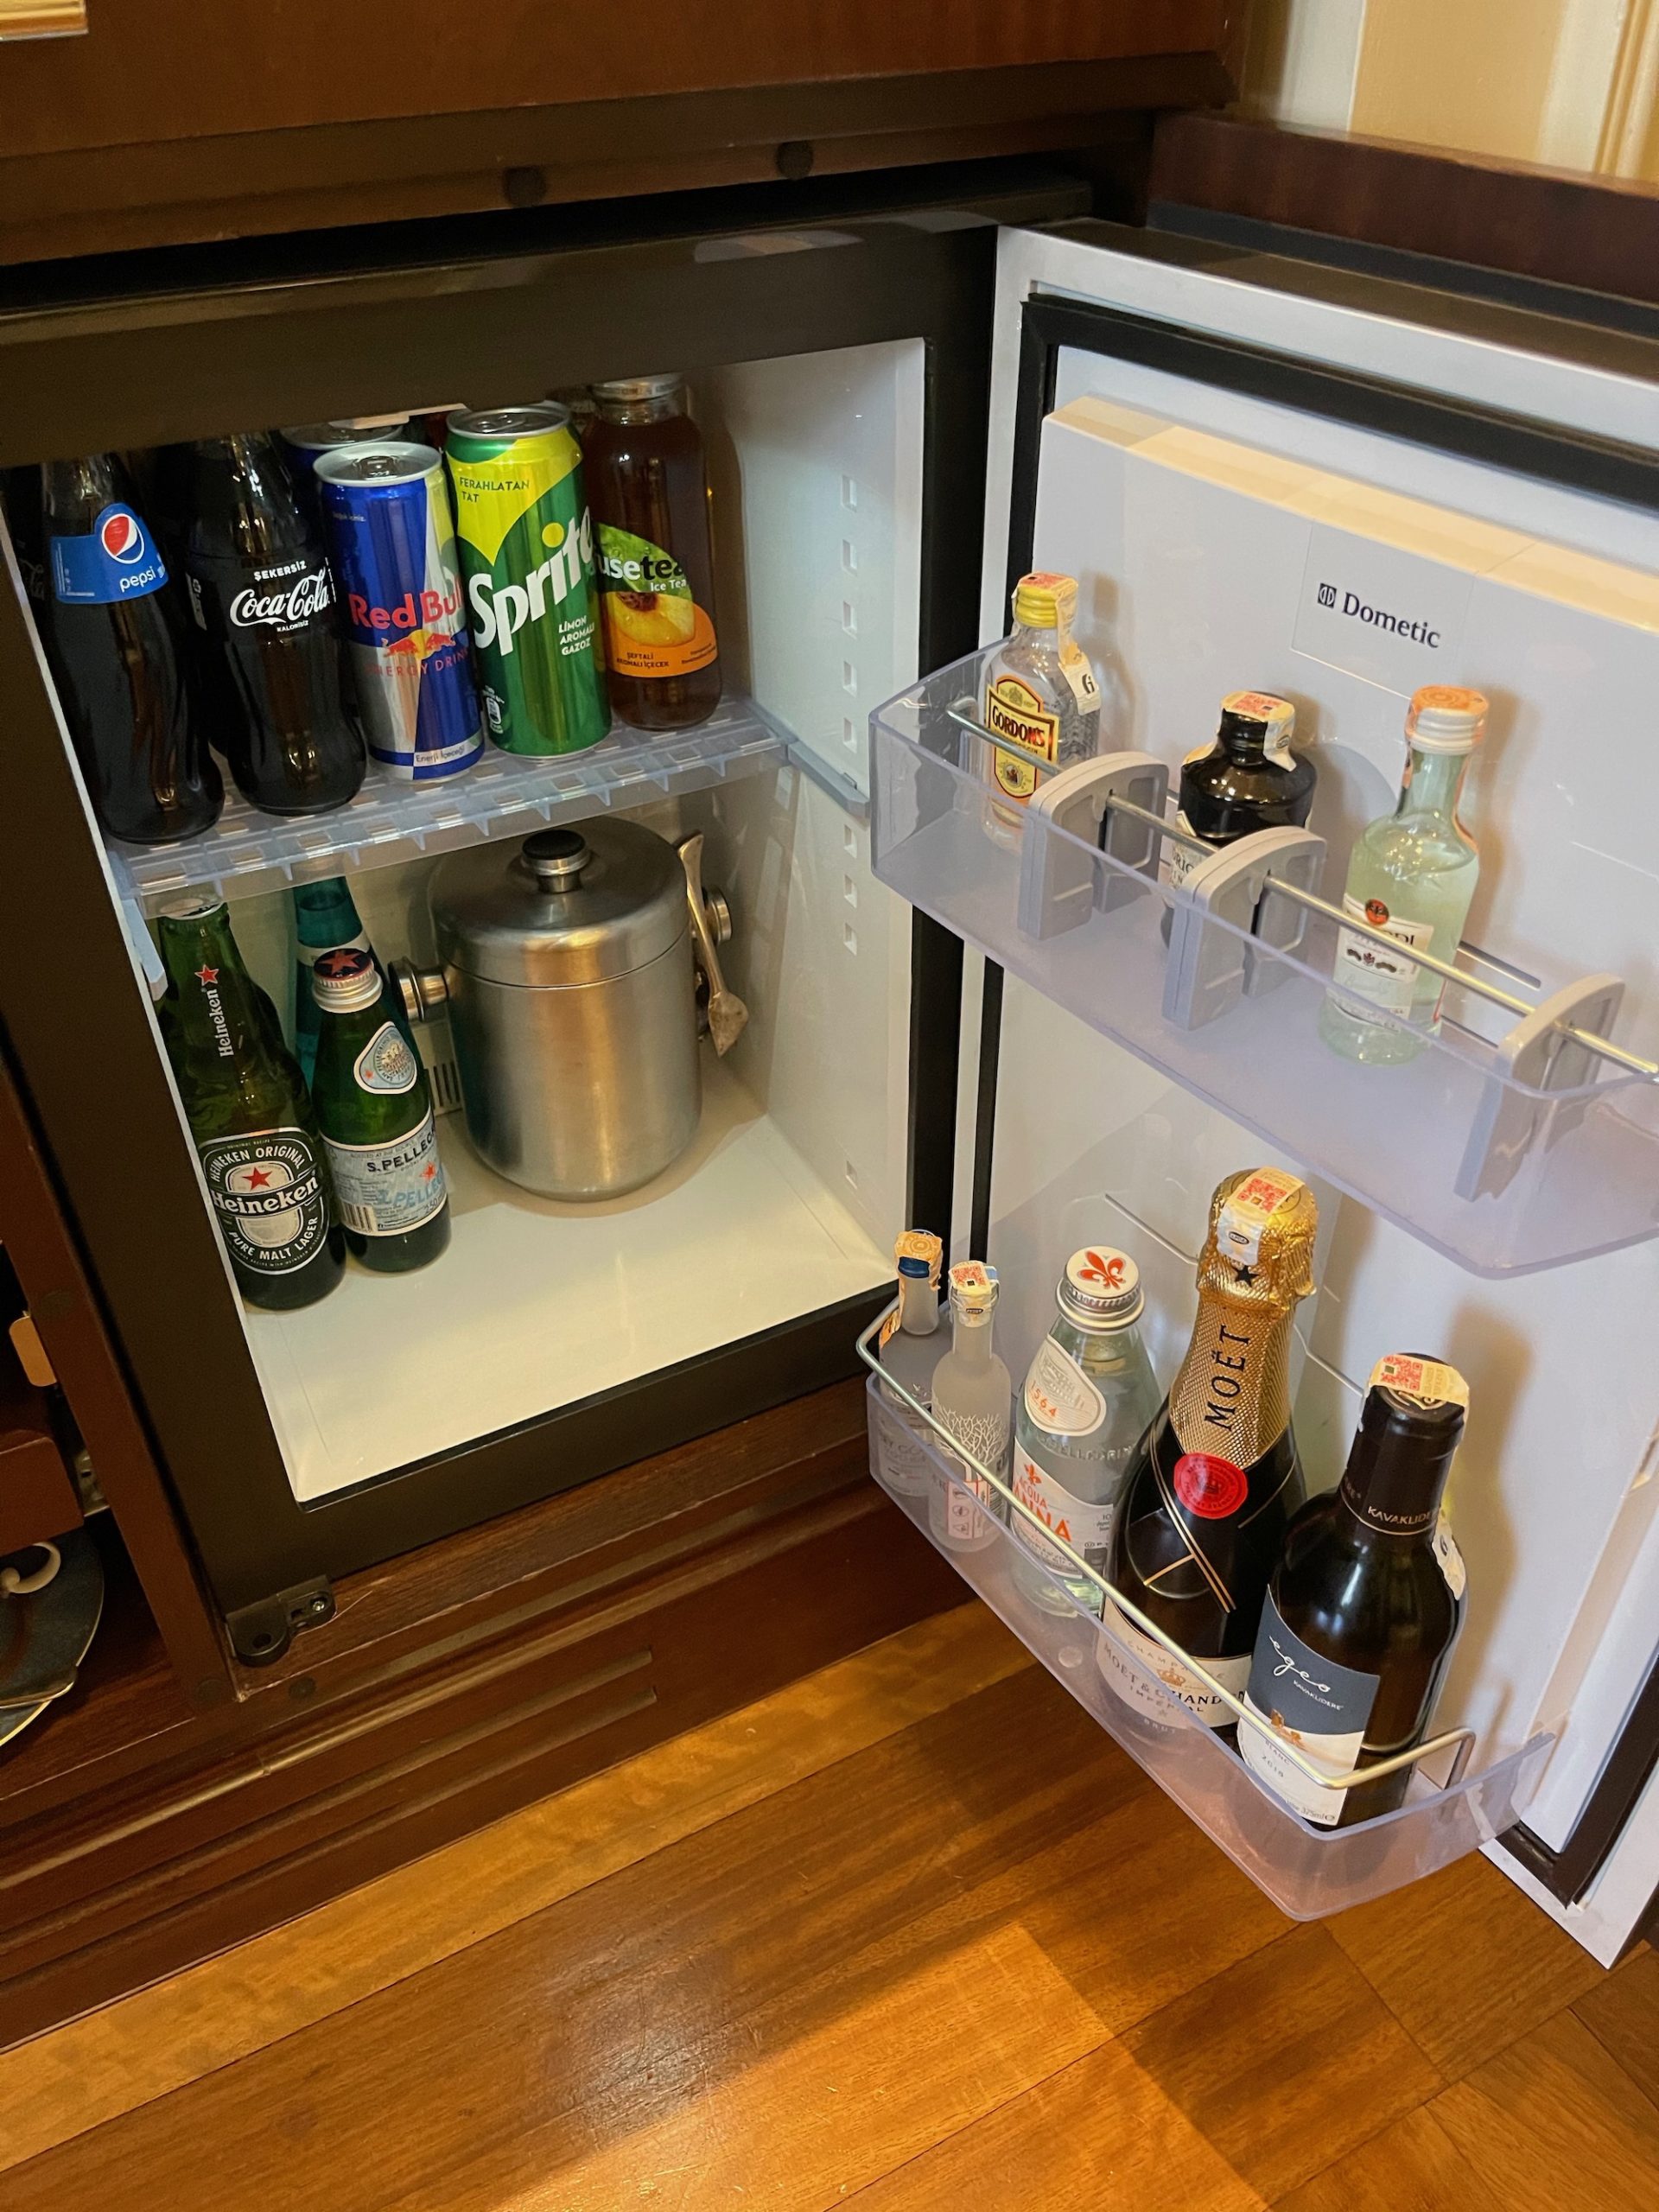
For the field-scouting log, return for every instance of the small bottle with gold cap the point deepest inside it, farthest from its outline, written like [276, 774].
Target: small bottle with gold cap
[1041, 699]
[1411, 874]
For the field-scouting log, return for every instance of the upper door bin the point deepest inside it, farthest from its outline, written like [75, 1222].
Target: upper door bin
[1335, 499]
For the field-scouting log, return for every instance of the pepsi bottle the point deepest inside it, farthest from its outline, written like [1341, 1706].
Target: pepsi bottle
[118, 638]
[263, 596]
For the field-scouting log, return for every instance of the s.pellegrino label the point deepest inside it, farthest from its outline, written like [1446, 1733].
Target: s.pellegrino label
[386, 1066]
[116, 559]
[268, 1197]
[1320, 1706]
[653, 626]
[387, 1189]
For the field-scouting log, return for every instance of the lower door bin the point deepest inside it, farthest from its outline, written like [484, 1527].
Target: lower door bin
[1308, 1871]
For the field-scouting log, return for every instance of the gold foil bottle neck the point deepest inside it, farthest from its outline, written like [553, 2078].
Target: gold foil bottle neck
[1259, 1250]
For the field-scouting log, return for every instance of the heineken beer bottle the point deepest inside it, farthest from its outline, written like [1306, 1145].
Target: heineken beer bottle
[249, 1113]
[376, 1116]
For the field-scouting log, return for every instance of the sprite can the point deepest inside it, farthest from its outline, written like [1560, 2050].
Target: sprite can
[526, 545]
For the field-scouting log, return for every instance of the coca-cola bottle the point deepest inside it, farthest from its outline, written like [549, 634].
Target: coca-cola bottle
[117, 638]
[263, 596]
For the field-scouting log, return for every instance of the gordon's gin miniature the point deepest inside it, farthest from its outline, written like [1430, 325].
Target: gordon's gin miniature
[1087, 1399]
[971, 1400]
[1041, 699]
[1411, 876]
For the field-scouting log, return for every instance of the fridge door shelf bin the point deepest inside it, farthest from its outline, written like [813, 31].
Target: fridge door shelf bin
[1507, 1152]
[1308, 1871]
[504, 795]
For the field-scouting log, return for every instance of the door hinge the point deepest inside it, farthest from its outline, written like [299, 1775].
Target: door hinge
[260, 1633]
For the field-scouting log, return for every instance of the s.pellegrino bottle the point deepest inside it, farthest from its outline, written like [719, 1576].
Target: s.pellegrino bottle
[1411, 875]
[1087, 1399]
[324, 920]
[263, 596]
[910, 1345]
[249, 1113]
[1365, 1603]
[1216, 1478]
[376, 1116]
[972, 1401]
[118, 641]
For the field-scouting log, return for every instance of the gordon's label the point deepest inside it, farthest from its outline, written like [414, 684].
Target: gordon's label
[269, 1198]
[1015, 713]
[1141, 1671]
[1369, 969]
[116, 559]
[526, 543]
[653, 626]
[386, 1066]
[385, 1190]
[1315, 1704]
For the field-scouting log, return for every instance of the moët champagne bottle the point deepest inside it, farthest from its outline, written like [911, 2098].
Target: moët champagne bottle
[1216, 1478]
[1365, 1603]
[376, 1115]
[250, 1114]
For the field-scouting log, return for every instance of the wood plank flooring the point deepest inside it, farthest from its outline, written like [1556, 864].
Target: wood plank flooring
[911, 1935]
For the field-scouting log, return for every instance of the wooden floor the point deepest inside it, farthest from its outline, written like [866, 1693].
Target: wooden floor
[912, 1934]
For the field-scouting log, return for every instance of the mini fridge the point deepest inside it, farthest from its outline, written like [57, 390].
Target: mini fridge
[1264, 474]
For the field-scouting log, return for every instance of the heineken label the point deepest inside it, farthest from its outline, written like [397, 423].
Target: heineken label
[268, 1198]
[386, 1066]
[387, 1189]
[526, 545]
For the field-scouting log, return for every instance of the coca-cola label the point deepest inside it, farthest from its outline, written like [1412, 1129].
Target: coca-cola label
[116, 559]
[295, 594]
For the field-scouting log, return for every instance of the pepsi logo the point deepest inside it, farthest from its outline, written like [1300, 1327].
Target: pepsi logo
[122, 537]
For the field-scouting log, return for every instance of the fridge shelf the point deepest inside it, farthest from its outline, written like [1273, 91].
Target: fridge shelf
[505, 795]
[1519, 1136]
[1308, 1871]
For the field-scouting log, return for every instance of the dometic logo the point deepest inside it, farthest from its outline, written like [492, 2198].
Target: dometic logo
[501, 611]
[308, 596]
[1349, 603]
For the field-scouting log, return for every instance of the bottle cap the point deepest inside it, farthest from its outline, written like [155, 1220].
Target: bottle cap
[635, 388]
[345, 979]
[1043, 602]
[1101, 1288]
[973, 1287]
[190, 906]
[1262, 710]
[918, 1253]
[1444, 718]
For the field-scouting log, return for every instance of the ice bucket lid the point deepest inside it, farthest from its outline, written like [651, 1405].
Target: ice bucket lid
[580, 904]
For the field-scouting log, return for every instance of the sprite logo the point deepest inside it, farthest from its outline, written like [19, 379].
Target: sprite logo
[501, 610]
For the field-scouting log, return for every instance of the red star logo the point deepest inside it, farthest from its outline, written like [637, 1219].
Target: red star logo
[258, 1179]
[206, 975]
[428, 1172]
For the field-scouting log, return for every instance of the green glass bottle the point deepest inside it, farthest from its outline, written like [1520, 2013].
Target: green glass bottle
[325, 917]
[376, 1116]
[249, 1113]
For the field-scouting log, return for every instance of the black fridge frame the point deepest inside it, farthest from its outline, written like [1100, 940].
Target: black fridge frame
[153, 348]
[1579, 323]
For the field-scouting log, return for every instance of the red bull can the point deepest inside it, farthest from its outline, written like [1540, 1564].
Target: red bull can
[392, 540]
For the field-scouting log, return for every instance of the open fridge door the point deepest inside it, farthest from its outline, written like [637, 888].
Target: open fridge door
[1266, 475]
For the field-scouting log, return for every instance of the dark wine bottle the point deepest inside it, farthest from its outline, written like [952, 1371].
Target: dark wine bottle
[1213, 1482]
[1365, 1604]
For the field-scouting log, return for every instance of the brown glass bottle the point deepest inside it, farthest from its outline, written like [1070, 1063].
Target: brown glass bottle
[648, 491]
[1365, 1604]
[1213, 1482]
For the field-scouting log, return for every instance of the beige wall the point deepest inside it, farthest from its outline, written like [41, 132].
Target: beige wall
[1574, 84]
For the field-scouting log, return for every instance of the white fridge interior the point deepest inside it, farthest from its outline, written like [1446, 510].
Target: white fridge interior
[1201, 523]
[788, 1200]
